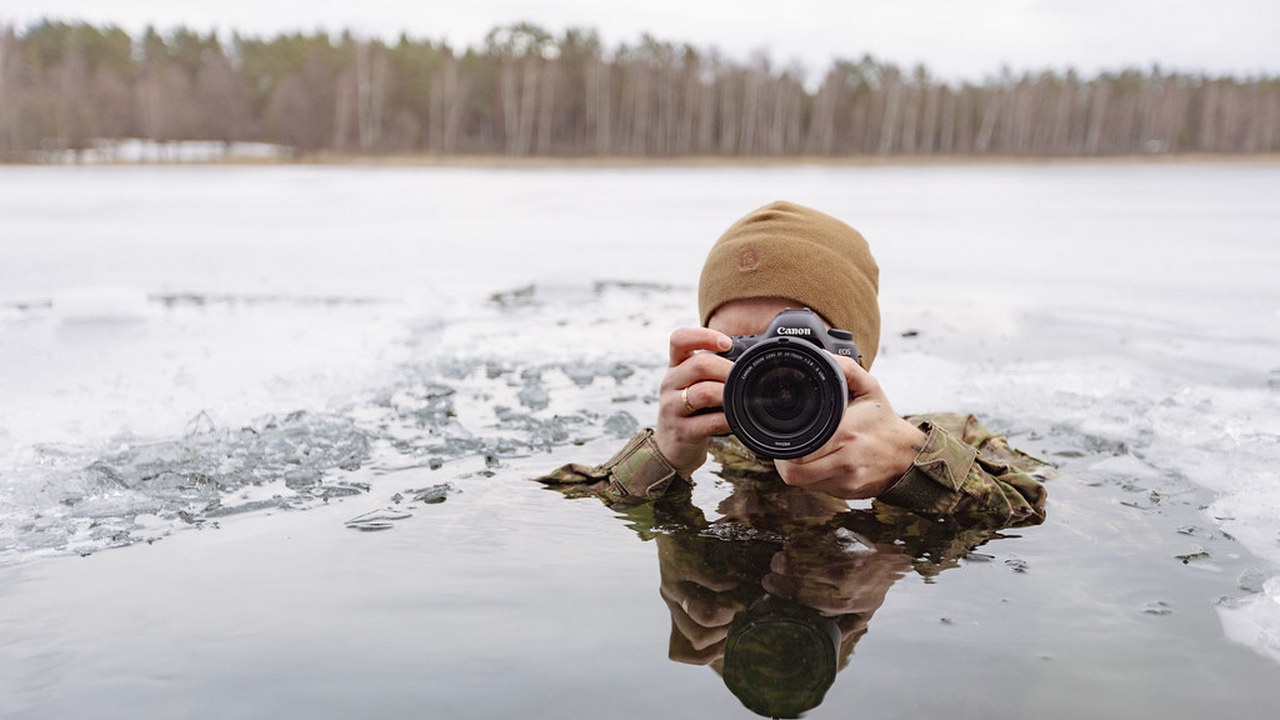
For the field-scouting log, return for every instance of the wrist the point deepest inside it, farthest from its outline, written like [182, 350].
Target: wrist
[684, 457]
[933, 480]
[911, 441]
[640, 471]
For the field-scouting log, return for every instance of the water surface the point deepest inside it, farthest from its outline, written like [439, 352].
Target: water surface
[232, 400]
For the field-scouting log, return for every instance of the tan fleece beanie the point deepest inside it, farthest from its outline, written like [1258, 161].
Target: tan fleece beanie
[790, 251]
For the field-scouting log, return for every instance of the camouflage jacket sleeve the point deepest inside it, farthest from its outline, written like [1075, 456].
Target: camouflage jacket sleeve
[637, 473]
[965, 470]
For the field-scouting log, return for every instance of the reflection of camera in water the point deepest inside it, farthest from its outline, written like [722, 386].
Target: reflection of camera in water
[780, 657]
[785, 395]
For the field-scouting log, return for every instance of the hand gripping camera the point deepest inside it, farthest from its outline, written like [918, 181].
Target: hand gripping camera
[786, 394]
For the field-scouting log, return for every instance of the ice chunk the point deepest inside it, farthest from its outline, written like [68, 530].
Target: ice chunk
[382, 519]
[621, 424]
[1254, 621]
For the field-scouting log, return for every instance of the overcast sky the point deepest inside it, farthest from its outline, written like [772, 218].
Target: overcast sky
[955, 39]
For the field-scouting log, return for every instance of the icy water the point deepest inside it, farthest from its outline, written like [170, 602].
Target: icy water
[267, 434]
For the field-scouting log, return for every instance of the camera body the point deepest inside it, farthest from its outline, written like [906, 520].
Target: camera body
[786, 394]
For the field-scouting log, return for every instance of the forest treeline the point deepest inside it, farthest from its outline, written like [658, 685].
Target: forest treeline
[527, 92]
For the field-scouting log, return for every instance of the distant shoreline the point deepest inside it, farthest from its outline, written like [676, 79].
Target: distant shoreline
[789, 161]
[514, 162]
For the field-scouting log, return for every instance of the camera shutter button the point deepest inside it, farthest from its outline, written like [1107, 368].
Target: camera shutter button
[840, 334]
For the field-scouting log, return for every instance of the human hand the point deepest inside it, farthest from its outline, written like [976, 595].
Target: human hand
[870, 450]
[699, 595]
[694, 382]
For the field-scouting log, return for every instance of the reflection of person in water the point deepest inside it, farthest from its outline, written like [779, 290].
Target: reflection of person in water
[775, 593]
[788, 256]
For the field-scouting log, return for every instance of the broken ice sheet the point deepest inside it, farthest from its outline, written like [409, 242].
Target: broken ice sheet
[432, 495]
[381, 519]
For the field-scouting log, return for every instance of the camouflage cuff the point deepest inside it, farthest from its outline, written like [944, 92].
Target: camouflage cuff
[935, 479]
[639, 471]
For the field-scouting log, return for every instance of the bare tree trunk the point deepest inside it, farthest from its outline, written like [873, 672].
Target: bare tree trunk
[510, 105]
[600, 105]
[750, 109]
[822, 124]
[527, 105]
[1209, 116]
[910, 120]
[947, 129]
[436, 91]
[690, 106]
[546, 105]
[929, 131]
[371, 82]
[730, 114]
[1059, 140]
[1269, 120]
[964, 120]
[991, 109]
[641, 113]
[1022, 111]
[892, 109]
[9, 128]
[343, 109]
[793, 140]
[447, 100]
[706, 133]
[664, 140]
[1097, 118]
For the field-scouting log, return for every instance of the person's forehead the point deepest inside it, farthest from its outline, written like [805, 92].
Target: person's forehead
[749, 316]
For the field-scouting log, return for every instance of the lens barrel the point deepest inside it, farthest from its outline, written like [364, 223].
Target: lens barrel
[784, 397]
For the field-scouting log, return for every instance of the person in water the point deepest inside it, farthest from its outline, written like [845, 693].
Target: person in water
[775, 592]
[782, 256]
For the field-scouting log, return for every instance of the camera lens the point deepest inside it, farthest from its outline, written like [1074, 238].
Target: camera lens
[782, 399]
[785, 398]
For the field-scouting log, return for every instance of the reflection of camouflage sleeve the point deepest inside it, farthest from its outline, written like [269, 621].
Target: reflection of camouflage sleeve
[963, 470]
[966, 470]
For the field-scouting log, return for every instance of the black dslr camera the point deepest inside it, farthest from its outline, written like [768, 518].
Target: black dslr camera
[785, 394]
